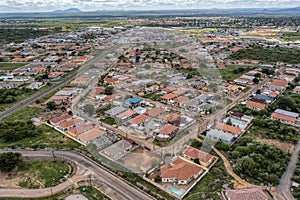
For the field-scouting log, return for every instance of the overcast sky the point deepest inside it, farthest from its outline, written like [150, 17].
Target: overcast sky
[88, 5]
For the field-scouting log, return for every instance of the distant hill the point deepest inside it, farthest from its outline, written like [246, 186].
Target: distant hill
[284, 10]
[297, 9]
[70, 10]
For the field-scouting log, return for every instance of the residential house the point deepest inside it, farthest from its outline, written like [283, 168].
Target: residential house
[296, 90]
[60, 119]
[180, 172]
[229, 129]
[70, 124]
[167, 132]
[244, 194]
[91, 134]
[278, 85]
[285, 116]
[204, 158]
[138, 120]
[126, 115]
[255, 105]
[221, 136]
[115, 111]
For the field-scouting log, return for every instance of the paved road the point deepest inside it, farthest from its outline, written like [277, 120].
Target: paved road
[60, 84]
[121, 187]
[285, 182]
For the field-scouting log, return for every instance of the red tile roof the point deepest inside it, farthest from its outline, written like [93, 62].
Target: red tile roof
[138, 119]
[168, 96]
[127, 113]
[194, 153]
[91, 134]
[280, 83]
[61, 118]
[70, 123]
[283, 117]
[182, 170]
[167, 129]
[230, 129]
[155, 112]
[246, 194]
[255, 105]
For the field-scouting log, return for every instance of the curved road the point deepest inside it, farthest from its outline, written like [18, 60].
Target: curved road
[121, 187]
[285, 181]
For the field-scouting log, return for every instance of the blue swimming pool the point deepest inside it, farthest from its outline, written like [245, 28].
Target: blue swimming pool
[175, 191]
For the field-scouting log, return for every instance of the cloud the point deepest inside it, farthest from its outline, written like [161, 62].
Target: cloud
[39, 5]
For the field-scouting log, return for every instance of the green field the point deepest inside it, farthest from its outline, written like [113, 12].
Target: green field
[290, 37]
[232, 72]
[268, 55]
[11, 66]
[35, 174]
[48, 138]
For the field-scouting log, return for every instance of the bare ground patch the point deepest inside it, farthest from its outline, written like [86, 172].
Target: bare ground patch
[284, 146]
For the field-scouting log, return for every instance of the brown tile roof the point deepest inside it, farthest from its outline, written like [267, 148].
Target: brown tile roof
[280, 83]
[138, 119]
[127, 113]
[168, 96]
[247, 194]
[60, 118]
[194, 153]
[283, 117]
[182, 170]
[230, 129]
[181, 99]
[91, 134]
[255, 105]
[155, 111]
[81, 128]
[167, 129]
[70, 123]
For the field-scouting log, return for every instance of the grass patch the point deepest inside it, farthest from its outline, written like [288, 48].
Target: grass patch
[35, 174]
[109, 120]
[48, 138]
[257, 163]
[210, 186]
[232, 72]
[11, 66]
[88, 191]
[15, 96]
[290, 36]
[268, 55]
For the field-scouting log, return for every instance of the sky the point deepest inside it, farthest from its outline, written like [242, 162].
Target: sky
[90, 5]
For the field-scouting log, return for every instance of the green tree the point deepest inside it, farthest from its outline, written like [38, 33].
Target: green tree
[9, 160]
[255, 80]
[89, 109]
[51, 105]
[109, 90]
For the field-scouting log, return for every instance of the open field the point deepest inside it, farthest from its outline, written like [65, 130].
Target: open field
[35, 173]
[48, 138]
[290, 36]
[88, 191]
[11, 97]
[11, 66]
[232, 72]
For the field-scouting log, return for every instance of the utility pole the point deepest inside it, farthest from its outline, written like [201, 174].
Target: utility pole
[53, 155]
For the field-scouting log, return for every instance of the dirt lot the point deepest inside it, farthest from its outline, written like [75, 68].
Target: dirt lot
[8, 183]
[284, 146]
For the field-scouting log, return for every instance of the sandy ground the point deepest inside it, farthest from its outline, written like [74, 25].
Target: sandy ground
[8, 183]
[284, 146]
